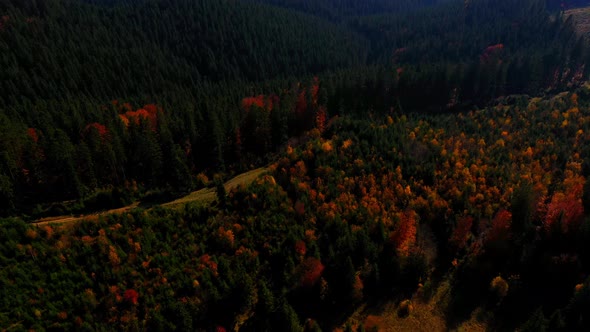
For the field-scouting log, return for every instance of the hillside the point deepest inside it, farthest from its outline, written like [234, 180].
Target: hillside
[150, 47]
[294, 165]
[424, 207]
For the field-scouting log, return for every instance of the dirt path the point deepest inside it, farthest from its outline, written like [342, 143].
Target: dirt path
[206, 195]
[90, 216]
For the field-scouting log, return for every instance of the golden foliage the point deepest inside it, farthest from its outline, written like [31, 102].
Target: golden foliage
[499, 286]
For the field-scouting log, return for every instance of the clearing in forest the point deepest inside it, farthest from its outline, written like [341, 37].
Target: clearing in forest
[205, 195]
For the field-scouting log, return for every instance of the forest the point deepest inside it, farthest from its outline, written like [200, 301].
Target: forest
[419, 154]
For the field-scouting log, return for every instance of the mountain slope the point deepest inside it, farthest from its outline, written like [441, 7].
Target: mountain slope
[150, 47]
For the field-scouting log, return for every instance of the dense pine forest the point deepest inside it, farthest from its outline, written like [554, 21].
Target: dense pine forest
[424, 165]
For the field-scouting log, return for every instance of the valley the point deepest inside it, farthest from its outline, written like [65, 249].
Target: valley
[294, 165]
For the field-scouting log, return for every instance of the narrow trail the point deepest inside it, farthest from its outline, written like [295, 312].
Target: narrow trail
[206, 195]
[89, 216]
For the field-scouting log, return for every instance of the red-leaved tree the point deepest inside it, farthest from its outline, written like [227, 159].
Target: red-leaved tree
[404, 235]
[566, 208]
[131, 296]
[311, 271]
[500, 228]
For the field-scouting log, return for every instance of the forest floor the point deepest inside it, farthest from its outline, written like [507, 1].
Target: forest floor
[426, 315]
[205, 195]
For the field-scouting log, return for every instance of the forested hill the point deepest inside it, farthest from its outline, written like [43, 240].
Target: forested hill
[66, 47]
[130, 48]
[99, 94]
[426, 165]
